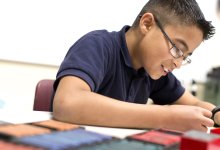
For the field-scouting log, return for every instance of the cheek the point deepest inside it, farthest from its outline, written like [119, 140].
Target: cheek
[152, 60]
[161, 50]
[156, 54]
[154, 49]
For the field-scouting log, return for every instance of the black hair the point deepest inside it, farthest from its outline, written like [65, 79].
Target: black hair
[185, 12]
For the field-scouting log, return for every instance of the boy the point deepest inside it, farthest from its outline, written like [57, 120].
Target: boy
[107, 77]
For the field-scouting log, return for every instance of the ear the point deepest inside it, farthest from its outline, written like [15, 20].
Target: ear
[146, 22]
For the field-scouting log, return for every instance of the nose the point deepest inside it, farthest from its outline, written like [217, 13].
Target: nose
[178, 62]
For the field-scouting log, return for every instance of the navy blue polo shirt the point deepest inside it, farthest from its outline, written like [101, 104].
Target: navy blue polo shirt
[102, 60]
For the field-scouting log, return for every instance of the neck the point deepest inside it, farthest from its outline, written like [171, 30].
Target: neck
[132, 39]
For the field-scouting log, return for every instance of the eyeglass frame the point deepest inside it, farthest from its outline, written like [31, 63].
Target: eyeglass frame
[175, 52]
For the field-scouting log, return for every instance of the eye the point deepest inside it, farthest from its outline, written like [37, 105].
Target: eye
[179, 52]
[176, 52]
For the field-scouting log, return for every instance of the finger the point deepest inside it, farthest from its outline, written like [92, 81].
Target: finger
[207, 113]
[207, 122]
[203, 128]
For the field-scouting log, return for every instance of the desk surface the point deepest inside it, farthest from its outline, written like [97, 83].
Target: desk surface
[16, 117]
[23, 122]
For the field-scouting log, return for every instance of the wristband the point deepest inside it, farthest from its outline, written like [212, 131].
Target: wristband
[215, 110]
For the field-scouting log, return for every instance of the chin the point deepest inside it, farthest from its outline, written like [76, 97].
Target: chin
[155, 77]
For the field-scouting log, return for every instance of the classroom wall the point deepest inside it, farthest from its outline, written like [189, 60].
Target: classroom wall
[33, 31]
[18, 81]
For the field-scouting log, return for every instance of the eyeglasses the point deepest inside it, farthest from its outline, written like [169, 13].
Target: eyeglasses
[175, 52]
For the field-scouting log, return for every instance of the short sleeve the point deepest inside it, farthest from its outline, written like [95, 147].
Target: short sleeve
[166, 90]
[86, 59]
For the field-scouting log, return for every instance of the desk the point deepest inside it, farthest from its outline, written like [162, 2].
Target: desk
[34, 116]
[102, 137]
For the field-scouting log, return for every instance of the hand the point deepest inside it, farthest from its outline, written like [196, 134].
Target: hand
[184, 117]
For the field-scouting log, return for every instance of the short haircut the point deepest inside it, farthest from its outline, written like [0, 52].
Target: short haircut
[181, 12]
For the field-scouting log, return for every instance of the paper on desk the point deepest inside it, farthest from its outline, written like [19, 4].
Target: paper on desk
[115, 132]
[16, 117]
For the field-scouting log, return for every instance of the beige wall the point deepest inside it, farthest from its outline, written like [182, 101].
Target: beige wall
[18, 81]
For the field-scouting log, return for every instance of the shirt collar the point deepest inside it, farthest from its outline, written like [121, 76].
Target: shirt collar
[125, 53]
[124, 48]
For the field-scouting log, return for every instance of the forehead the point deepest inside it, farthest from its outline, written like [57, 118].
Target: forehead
[186, 38]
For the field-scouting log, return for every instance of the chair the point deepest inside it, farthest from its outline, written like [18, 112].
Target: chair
[43, 95]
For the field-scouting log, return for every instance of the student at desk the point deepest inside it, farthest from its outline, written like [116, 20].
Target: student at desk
[107, 77]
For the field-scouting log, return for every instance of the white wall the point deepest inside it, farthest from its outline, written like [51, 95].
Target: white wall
[42, 31]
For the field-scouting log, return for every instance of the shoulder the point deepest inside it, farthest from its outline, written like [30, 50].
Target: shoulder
[95, 40]
[103, 35]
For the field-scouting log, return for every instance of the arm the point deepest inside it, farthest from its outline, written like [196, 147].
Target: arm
[75, 103]
[189, 99]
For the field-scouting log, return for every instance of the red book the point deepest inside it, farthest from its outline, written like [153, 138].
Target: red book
[193, 140]
[159, 137]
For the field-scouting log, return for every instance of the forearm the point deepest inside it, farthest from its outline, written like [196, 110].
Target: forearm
[205, 105]
[93, 109]
[189, 99]
[75, 103]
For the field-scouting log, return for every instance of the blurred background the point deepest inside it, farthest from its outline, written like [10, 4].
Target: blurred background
[35, 36]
